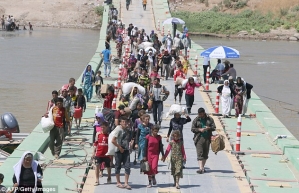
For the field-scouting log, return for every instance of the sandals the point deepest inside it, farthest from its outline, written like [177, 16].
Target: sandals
[119, 186]
[108, 180]
[177, 186]
[96, 183]
[127, 187]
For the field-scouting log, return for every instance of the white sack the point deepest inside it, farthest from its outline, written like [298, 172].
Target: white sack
[184, 82]
[176, 109]
[133, 104]
[127, 88]
[111, 147]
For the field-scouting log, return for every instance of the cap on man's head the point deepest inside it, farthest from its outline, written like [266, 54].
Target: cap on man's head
[121, 107]
[230, 78]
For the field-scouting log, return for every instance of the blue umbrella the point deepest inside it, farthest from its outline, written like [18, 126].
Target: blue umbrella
[173, 20]
[221, 52]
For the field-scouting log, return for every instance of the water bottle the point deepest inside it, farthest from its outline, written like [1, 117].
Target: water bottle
[39, 176]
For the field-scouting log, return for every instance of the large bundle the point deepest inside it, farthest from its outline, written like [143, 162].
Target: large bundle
[145, 45]
[176, 109]
[127, 88]
[179, 81]
[184, 82]
[217, 143]
[134, 102]
[111, 147]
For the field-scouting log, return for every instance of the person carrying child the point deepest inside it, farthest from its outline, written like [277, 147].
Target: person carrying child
[178, 155]
[153, 147]
[100, 149]
[80, 103]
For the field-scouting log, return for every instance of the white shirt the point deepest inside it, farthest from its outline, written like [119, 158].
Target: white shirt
[168, 42]
[176, 42]
[206, 61]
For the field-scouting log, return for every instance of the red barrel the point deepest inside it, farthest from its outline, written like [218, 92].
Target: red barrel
[78, 113]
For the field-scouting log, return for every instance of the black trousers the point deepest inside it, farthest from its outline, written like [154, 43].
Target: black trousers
[189, 102]
[157, 110]
[205, 69]
[178, 91]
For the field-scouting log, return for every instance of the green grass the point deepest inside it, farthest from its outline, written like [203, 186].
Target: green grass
[226, 23]
[99, 10]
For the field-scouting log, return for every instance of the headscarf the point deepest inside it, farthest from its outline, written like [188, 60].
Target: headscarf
[226, 89]
[141, 52]
[102, 119]
[17, 168]
[91, 71]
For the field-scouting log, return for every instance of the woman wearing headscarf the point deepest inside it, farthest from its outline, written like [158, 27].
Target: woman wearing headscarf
[239, 90]
[88, 79]
[226, 92]
[27, 174]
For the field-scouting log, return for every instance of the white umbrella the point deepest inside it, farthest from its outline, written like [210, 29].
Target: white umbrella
[173, 20]
[148, 48]
[221, 52]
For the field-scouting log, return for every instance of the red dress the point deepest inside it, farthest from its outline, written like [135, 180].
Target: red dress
[153, 150]
[108, 101]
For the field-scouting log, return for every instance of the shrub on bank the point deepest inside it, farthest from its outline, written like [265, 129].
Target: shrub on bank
[227, 23]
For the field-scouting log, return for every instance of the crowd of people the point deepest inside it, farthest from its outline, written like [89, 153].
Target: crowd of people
[130, 126]
[9, 23]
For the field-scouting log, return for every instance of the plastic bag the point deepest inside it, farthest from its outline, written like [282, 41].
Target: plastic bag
[144, 166]
[47, 123]
[111, 147]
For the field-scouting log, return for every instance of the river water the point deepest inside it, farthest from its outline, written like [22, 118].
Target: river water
[272, 67]
[33, 64]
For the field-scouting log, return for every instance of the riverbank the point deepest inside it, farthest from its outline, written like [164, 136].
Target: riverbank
[55, 13]
[240, 19]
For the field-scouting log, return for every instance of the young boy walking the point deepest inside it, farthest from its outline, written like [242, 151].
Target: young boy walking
[121, 140]
[100, 149]
[60, 116]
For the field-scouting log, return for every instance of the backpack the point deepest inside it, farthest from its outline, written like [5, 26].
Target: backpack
[217, 143]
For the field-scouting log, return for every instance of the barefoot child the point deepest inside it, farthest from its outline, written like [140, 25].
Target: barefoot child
[98, 82]
[100, 149]
[153, 147]
[73, 97]
[80, 102]
[177, 157]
